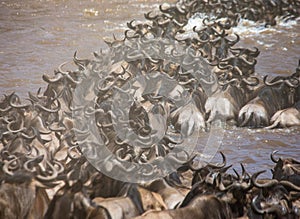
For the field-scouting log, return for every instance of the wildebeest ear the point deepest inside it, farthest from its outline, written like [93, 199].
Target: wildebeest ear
[173, 179]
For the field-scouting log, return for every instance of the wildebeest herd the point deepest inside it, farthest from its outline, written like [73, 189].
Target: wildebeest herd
[44, 174]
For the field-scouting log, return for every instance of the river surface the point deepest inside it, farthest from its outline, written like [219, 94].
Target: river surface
[37, 36]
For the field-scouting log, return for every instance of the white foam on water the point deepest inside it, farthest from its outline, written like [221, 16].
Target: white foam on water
[250, 28]
[195, 21]
[245, 27]
[288, 24]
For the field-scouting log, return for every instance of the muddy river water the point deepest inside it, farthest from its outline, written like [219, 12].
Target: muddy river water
[37, 36]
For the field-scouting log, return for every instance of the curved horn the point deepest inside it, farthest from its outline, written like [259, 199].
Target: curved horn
[171, 139]
[148, 17]
[50, 80]
[272, 83]
[232, 42]
[244, 172]
[251, 83]
[236, 185]
[273, 3]
[280, 210]
[180, 9]
[178, 24]
[225, 67]
[227, 82]
[236, 51]
[218, 166]
[60, 68]
[190, 4]
[165, 10]
[60, 166]
[21, 127]
[70, 154]
[7, 164]
[4, 110]
[17, 99]
[292, 82]
[177, 160]
[273, 158]
[295, 161]
[127, 157]
[166, 21]
[216, 39]
[215, 32]
[176, 55]
[28, 164]
[290, 185]
[201, 34]
[221, 35]
[254, 203]
[206, 24]
[28, 137]
[130, 24]
[203, 81]
[55, 110]
[254, 52]
[72, 80]
[270, 183]
[52, 176]
[80, 63]
[135, 55]
[248, 62]
[130, 37]
[194, 29]
[187, 81]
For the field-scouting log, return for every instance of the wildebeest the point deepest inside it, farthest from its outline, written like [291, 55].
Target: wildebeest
[289, 116]
[171, 196]
[201, 207]
[21, 196]
[270, 98]
[237, 83]
[286, 118]
[37, 134]
[274, 199]
[286, 169]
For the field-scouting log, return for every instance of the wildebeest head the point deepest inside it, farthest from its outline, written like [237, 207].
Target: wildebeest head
[279, 93]
[274, 198]
[286, 169]
[21, 196]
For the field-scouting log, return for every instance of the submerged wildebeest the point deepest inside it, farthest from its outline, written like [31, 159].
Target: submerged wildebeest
[271, 97]
[237, 85]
